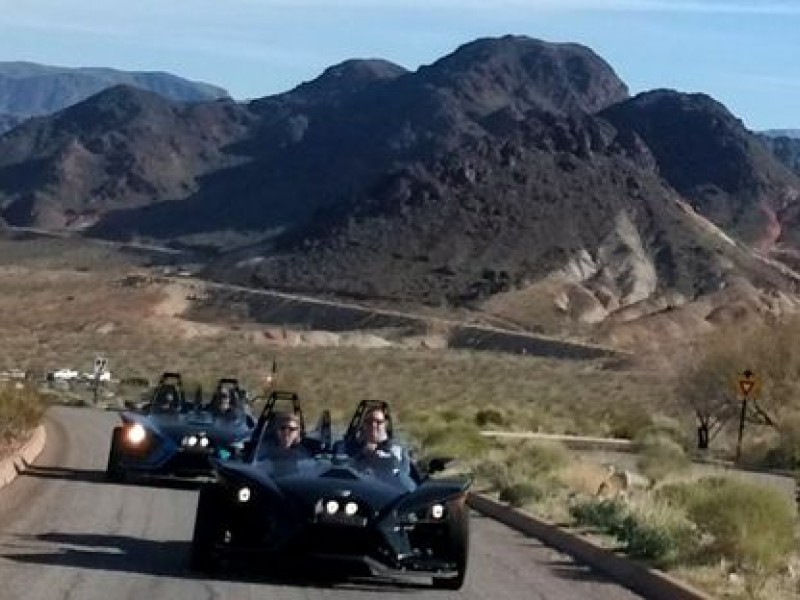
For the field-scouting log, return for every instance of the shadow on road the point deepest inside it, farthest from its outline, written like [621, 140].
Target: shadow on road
[98, 476]
[118, 553]
[564, 567]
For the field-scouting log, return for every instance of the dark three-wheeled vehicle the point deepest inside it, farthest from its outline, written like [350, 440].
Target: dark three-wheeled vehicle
[379, 516]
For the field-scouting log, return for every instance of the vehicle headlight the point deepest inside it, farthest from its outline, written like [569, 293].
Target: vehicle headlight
[433, 512]
[191, 440]
[331, 507]
[136, 434]
[350, 509]
[204, 441]
[243, 495]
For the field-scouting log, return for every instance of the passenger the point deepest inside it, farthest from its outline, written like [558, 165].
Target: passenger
[287, 431]
[373, 439]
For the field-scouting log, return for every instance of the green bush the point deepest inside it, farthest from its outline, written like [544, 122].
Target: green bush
[749, 524]
[659, 533]
[521, 493]
[630, 422]
[531, 460]
[660, 457]
[602, 515]
[459, 439]
[489, 416]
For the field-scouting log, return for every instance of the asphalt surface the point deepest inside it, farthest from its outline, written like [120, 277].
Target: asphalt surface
[66, 534]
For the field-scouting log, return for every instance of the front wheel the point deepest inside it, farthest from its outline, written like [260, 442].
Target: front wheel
[114, 472]
[457, 546]
[202, 557]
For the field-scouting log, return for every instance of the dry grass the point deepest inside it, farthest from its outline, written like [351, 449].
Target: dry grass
[58, 318]
[21, 408]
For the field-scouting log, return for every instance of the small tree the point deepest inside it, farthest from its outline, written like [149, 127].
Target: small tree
[704, 385]
[706, 377]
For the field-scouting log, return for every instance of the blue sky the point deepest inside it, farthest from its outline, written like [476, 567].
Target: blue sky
[743, 53]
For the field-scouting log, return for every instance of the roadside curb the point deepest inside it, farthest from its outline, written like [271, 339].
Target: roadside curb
[650, 583]
[11, 467]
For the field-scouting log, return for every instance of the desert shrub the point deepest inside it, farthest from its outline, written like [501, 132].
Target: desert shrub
[660, 457]
[534, 461]
[629, 422]
[494, 472]
[521, 493]
[459, 439]
[607, 516]
[653, 531]
[666, 428]
[749, 524]
[785, 454]
[489, 416]
[21, 409]
[659, 533]
[451, 415]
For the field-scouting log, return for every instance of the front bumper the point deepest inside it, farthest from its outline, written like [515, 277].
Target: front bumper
[356, 551]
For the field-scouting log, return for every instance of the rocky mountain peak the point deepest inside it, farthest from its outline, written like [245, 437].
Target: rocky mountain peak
[491, 73]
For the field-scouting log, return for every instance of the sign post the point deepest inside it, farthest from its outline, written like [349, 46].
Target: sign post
[100, 363]
[747, 384]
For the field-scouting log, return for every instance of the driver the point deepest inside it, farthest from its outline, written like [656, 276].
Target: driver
[224, 404]
[166, 402]
[287, 431]
[284, 437]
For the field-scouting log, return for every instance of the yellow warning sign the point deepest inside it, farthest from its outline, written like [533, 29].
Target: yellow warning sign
[747, 383]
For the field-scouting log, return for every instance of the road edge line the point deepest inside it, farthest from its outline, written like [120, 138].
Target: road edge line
[648, 582]
[13, 465]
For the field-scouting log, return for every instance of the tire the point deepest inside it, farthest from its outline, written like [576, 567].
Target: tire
[114, 472]
[458, 547]
[202, 557]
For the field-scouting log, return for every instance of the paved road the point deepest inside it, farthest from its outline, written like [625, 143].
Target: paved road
[67, 535]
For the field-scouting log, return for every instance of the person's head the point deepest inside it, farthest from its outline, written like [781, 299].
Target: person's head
[287, 430]
[373, 426]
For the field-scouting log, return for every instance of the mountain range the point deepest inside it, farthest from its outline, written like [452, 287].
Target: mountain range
[513, 176]
[30, 89]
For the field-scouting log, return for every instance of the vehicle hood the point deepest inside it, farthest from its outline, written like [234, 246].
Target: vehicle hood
[301, 484]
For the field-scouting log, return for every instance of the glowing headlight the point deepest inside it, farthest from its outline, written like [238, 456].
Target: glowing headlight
[331, 507]
[204, 441]
[350, 509]
[192, 440]
[136, 434]
[437, 511]
[244, 494]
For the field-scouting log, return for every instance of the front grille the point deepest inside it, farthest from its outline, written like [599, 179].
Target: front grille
[188, 462]
[331, 539]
